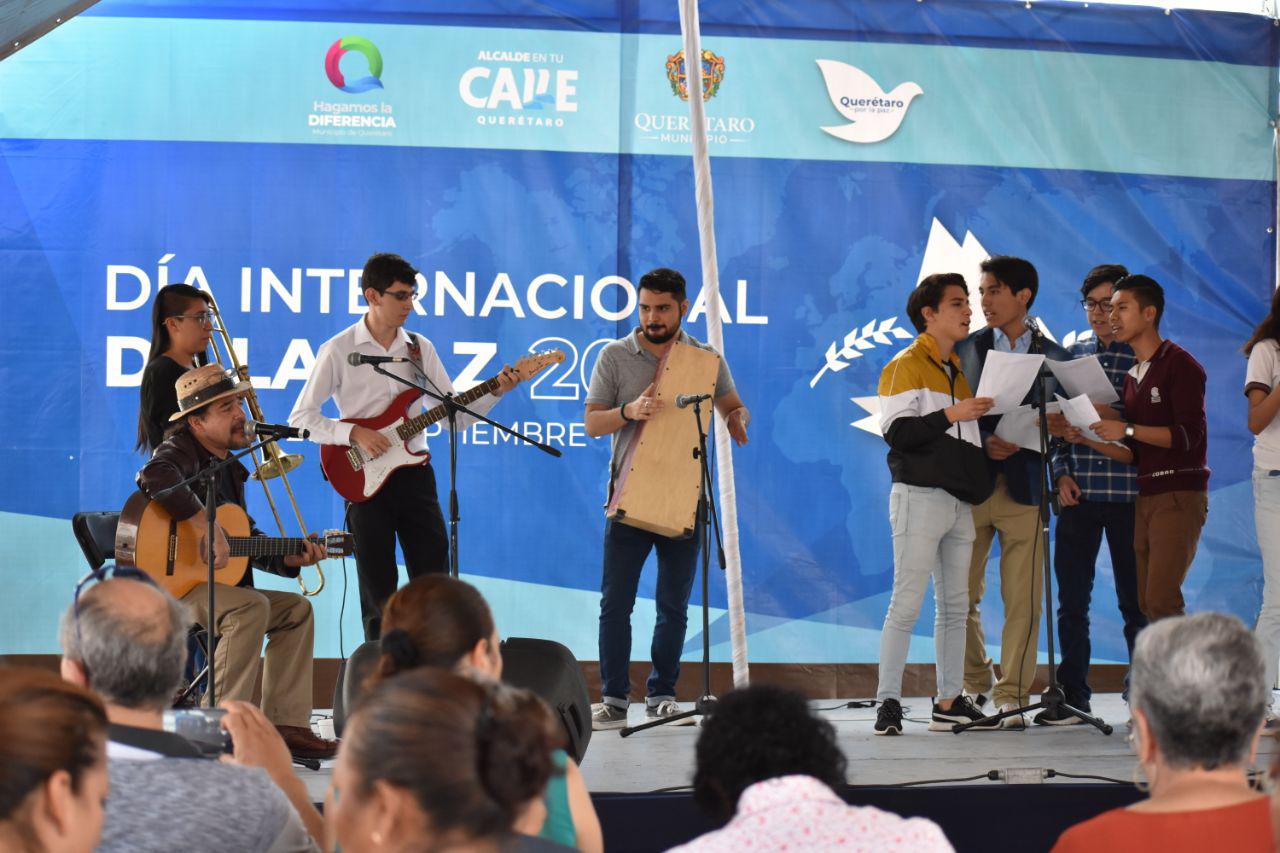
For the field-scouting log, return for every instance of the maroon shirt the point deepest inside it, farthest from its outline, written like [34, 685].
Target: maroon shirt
[1171, 394]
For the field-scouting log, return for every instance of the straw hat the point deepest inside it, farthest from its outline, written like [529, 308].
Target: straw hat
[201, 386]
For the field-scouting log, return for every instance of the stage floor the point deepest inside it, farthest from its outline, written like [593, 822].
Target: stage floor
[663, 758]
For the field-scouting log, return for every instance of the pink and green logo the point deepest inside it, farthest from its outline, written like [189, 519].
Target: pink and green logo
[362, 46]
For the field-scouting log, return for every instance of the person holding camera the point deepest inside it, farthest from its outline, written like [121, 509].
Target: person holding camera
[126, 640]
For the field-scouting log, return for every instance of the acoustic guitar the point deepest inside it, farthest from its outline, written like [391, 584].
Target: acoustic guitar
[149, 539]
[357, 477]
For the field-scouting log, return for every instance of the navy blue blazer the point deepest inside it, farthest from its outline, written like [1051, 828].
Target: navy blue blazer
[1022, 469]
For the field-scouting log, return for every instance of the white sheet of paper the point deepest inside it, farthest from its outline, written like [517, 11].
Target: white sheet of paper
[1085, 376]
[1007, 377]
[1019, 427]
[1081, 414]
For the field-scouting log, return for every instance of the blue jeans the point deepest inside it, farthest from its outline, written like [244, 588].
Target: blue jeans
[625, 550]
[1076, 543]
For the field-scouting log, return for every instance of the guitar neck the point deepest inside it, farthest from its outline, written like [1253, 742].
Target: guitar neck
[264, 546]
[415, 425]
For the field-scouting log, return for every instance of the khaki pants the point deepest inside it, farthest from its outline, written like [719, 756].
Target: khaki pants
[1021, 589]
[1166, 532]
[245, 616]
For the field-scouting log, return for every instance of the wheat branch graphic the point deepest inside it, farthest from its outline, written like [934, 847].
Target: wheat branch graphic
[868, 337]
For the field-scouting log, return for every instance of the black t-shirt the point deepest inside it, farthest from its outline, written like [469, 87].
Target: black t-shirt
[159, 398]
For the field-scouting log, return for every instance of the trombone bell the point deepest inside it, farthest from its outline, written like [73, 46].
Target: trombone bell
[276, 464]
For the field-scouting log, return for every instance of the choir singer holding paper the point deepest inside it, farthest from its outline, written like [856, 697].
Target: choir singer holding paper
[1096, 495]
[1008, 288]
[1165, 434]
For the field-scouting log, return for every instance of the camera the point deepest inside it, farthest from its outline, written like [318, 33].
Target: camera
[201, 726]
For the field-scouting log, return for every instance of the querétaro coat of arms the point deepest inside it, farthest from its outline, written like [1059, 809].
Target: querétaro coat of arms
[712, 75]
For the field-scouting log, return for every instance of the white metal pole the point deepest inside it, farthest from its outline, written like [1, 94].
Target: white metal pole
[728, 503]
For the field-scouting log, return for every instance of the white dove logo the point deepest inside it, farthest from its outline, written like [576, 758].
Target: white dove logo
[875, 116]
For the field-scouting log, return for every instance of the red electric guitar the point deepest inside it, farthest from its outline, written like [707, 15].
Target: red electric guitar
[357, 477]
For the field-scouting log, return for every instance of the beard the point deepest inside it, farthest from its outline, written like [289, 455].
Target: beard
[659, 339]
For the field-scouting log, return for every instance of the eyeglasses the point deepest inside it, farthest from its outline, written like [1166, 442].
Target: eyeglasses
[100, 574]
[401, 295]
[1091, 305]
[200, 317]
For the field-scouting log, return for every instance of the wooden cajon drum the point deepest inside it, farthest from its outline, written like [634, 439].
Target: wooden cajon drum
[659, 478]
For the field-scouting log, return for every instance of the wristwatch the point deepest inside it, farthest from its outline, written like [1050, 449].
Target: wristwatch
[1128, 430]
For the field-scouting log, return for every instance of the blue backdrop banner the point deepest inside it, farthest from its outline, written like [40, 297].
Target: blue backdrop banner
[533, 164]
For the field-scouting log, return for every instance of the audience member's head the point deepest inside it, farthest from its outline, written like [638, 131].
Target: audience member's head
[438, 620]
[1198, 692]
[761, 733]
[127, 640]
[438, 757]
[53, 768]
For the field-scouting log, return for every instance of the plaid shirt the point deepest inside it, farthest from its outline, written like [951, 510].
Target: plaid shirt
[1101, 480]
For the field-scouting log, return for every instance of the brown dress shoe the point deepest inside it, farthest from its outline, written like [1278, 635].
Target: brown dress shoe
[304, 743]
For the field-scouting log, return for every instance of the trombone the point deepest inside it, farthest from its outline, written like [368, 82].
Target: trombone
[273, 463]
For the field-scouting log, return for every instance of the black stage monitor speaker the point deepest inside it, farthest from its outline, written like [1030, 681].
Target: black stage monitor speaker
[550, 670]
[351, 677]
[545, 667]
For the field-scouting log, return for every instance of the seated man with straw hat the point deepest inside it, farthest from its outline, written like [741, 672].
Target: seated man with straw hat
[211, 424]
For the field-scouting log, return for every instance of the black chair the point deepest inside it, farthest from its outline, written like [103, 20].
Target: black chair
[96, 533]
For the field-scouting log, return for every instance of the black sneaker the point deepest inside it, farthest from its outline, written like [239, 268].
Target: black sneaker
[605, 717]
[889, 718]
[962, 710]
[1057, 717]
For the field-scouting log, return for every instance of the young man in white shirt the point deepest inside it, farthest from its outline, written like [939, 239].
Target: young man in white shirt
[407, 506]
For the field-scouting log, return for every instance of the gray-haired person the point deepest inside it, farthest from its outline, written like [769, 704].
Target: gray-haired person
[1199, 702]
[126, 640]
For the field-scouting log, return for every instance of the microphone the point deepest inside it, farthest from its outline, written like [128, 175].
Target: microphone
[274, 430]
[1033, 326]
[683, 401]
[356, 359]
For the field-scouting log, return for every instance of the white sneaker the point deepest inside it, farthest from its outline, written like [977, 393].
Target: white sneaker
[1016, 722]
[667, 708]
[605, 716]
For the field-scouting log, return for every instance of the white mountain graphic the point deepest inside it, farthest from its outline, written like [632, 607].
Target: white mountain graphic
[874, 115]
[944, 254]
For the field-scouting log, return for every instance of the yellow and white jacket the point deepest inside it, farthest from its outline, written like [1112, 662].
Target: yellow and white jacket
[925, 448]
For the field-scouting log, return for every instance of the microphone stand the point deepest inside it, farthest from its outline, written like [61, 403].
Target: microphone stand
[208, 475]
[707, 517]
[1053, 699]
[452, 407]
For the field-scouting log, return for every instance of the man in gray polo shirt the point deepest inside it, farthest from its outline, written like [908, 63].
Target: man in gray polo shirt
[621, 395]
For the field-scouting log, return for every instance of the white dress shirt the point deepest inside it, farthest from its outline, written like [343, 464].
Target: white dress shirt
[360, 392]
